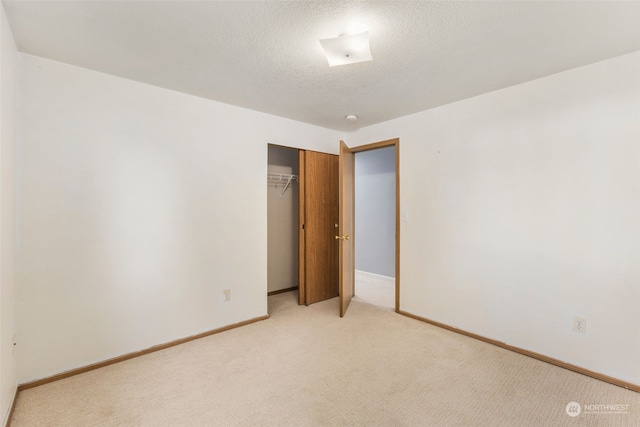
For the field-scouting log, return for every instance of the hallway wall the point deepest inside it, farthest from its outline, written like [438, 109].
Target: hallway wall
[375, 211]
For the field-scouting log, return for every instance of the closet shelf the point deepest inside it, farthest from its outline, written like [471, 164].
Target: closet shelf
[281, 178]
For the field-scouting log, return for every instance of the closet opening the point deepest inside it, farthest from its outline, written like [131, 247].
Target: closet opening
[283, 193]
[302, 221]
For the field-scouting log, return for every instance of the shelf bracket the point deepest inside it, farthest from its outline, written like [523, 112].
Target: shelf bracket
[286, 185]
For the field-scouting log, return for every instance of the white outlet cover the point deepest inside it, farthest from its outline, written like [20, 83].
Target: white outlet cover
[579, 325]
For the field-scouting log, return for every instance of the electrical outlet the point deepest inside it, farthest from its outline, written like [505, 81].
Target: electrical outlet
[226, 295]
[579, 325]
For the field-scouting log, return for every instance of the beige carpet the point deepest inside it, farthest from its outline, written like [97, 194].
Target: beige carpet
[375, 290]
[305, 366]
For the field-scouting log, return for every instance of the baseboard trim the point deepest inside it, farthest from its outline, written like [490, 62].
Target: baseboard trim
[135, 354]
[538, 356]
[281, 291]
[375, 276]
[12, 408]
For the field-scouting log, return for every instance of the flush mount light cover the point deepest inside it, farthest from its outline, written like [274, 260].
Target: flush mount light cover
[351, 117]
[347, 49]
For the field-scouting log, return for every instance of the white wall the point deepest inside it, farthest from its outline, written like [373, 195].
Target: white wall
[375, 211]
[8, 368]
[137, 207]
[524, 210]
[282, 224]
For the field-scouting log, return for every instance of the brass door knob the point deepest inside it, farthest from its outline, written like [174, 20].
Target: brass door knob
[342, 237]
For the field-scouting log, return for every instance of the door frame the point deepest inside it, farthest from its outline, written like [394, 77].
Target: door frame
[302, 278]
[382, 144]
[346, 222]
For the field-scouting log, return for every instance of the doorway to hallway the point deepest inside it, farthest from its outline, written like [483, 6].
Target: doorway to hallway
[375, 225]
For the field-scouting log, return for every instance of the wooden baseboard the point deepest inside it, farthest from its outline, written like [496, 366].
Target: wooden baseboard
[280, 291]
[128, 356]
[12, 408]
[538, 356]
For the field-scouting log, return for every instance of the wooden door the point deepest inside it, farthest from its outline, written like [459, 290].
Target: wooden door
[346, 234]
[318, 219]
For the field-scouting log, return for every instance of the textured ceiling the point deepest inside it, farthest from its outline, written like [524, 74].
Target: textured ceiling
[266, 55]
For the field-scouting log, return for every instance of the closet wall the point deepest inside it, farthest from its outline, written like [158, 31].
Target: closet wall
[282, 220]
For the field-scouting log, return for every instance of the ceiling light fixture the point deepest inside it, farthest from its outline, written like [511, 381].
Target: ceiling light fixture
[347, 49]
[351, 117]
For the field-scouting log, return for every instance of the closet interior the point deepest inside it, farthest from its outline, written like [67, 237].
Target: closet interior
[283, 193]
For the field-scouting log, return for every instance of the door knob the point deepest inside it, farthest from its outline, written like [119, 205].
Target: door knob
[342, 237]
